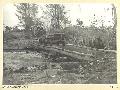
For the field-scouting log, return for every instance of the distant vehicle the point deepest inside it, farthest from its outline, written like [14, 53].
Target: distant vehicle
[56, 39]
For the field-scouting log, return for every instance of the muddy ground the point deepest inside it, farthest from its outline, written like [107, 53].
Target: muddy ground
[27, 68]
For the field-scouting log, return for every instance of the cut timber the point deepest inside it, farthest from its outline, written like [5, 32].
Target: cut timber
[73, 54]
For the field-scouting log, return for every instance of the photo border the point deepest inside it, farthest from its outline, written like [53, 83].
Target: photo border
[62, 86]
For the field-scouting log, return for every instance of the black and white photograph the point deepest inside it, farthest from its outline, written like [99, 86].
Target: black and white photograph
[60, 43]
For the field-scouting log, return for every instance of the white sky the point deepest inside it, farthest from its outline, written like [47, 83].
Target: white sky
[83, 11]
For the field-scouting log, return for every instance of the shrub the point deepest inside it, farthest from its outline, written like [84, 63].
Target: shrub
[97, 43]
[8, 36]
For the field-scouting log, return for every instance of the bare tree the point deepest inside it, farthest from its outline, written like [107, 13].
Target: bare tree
[57, 14]
[113, 31]
[26, 14]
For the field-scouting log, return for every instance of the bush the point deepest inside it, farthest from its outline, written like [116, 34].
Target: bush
[97, 43]
[9, 36]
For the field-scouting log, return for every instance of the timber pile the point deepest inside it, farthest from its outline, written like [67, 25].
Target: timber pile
[91, 54]
[73, 54]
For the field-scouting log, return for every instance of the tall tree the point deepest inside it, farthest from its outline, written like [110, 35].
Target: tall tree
[38, 28]
[114, 15]
[26, 14]
[57, 14]
[112, 32]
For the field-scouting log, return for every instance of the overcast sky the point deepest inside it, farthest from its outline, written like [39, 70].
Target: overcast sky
[83, 11]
